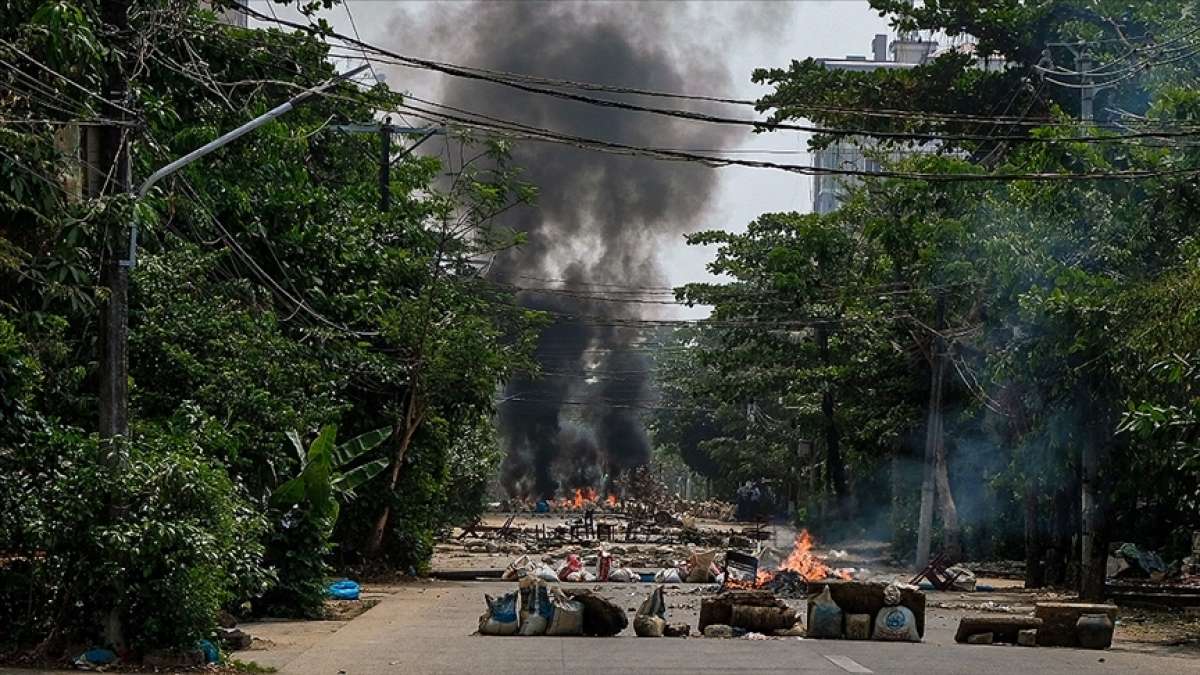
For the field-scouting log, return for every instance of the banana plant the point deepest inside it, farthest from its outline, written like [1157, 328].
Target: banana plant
[324, 475]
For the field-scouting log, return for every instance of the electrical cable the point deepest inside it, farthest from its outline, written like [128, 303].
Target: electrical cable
[686, 114]
[713, 161]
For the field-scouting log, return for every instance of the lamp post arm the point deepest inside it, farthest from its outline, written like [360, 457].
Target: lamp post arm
[224, 140]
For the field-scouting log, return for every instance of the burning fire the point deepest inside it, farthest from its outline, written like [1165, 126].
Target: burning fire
[584, 497]
[611, 500]
[801, 561]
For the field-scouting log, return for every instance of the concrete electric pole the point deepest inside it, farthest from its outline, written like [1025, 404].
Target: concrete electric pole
[114, 391]
[113, 152]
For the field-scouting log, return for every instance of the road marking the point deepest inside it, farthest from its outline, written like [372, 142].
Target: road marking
[846, 663]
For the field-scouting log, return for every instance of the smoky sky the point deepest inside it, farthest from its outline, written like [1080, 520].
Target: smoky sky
[599, 219]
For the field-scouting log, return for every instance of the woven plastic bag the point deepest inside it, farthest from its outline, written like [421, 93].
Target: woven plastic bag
[501, 616]
[567, 615]
[824, 617]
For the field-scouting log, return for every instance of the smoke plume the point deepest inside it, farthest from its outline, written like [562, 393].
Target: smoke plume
[599, 219]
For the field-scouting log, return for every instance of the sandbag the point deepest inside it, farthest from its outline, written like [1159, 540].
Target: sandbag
[566, 615]
[536, 610]
[572, 566]
[668, 575]
[624, 575]
[896, 624]
[650, 620]
[516, 567]
[825, 617]
[501, 616]
[649, 626]
[964, 579]
[545, 573]
[655, 604]
[700, 567]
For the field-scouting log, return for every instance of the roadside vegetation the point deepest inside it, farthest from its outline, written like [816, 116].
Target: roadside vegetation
[271, 299]
[1005, 316]
[1033, 335]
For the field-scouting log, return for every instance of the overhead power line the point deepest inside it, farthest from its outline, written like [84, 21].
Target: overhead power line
[521, 84]
[546, 135]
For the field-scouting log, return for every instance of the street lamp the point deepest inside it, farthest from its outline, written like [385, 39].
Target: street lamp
[115, 405]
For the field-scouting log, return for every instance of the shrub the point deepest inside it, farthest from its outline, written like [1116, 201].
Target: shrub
[162, 543]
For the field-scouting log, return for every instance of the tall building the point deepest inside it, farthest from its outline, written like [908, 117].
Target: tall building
[908, 51]
[859, 153]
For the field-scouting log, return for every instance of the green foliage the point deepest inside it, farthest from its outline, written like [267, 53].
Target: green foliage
[165, 540]
[270, 294]
[1067, 302]
[325, 472]
[306, 508]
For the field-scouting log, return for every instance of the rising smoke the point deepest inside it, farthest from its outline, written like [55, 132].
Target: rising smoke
[599, 219]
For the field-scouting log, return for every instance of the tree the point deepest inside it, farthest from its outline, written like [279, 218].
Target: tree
[270, 294]
[1036, 274]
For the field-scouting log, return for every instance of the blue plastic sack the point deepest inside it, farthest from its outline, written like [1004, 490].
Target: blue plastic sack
[542, 506]
[211, 655]
[344, 590]
[501, 616]
[98, 656]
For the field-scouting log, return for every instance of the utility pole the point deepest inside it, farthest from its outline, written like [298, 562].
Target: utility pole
[385, 166]
[113, 153]
[1090, 516]
[112, 158]
[386, 160]
[1092, 542]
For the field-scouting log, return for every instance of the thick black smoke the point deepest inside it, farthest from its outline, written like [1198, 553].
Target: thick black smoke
[599, 219]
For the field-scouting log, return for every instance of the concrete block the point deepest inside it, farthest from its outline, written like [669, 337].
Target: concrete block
[1027, 637]
[1059, 619]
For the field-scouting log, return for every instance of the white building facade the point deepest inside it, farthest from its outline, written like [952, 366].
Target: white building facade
[855, 154]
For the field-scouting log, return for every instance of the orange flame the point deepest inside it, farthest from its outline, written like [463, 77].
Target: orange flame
[611, 500]
[802, 561]
[583, 497]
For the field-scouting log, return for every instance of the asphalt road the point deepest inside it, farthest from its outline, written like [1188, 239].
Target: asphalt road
[428, 628]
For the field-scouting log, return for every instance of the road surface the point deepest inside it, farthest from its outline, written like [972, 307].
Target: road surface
[427, 628]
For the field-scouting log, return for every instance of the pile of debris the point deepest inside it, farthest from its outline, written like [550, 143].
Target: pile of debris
[711, 509]
[676, 565]
[1140, 576]
[785, 574]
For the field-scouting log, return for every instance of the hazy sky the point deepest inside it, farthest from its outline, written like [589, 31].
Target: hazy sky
[799, 29]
